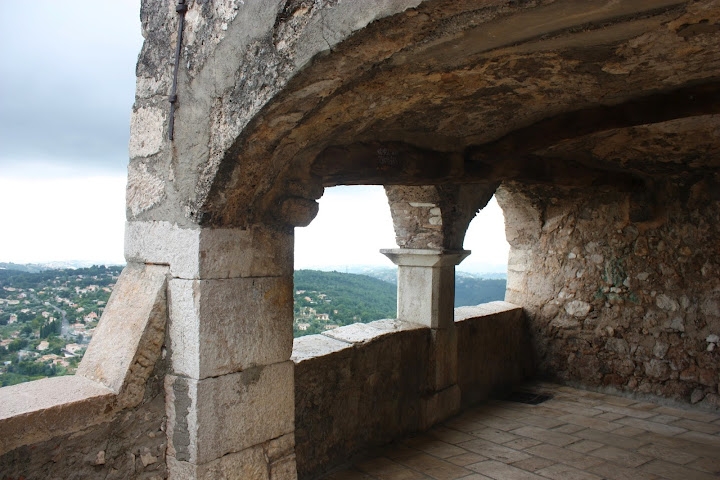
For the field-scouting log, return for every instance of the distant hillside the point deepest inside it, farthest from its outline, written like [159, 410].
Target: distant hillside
[325, 300]
[58, 265]
[470, 288]
[473, 291]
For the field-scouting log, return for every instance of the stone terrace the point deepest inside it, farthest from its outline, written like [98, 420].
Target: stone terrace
[576, 434]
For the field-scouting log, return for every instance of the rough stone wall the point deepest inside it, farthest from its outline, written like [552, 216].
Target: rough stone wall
[132, 446]
[621, 290]
[362, 385]
[357, 397]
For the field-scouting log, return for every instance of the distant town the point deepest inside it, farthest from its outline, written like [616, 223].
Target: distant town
[48, 318]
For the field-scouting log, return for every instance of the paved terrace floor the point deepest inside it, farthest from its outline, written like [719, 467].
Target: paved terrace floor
[575, 435]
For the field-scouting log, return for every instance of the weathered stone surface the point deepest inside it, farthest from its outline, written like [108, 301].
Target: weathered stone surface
[145, 188]
[426, 284]
[390, 374]
[210, 418]
[309, 347]
[335, 393]
[40, 410]
[261, 462]
[435, 217]
[112, 449]
[633, 292]
[207, 253]
[494, 349]
[368, 332]
[130, 334]
[224, 326]
[146, 132]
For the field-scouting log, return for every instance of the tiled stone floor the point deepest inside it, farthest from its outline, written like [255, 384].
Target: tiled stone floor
[575, 435]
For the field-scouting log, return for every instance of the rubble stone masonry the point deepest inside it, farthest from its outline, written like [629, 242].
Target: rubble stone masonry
[612, 302]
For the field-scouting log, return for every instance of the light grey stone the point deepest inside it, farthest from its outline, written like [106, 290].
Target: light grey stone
[146, 131]
[578, 308]
[210, 418]
[36, 411]
[224, 326]
[312, 346]
[426, 285]
[205, 253]
[144, 189]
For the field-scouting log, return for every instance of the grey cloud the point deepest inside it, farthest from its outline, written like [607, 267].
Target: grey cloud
[67, 82]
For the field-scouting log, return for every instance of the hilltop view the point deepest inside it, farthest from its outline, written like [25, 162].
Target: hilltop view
[49, 316]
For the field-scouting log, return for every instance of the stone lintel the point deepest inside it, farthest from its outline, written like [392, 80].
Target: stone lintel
[211, 418]
[225, 326]
[208, 253]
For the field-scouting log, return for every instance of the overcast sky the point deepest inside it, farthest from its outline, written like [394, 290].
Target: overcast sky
[67, 81]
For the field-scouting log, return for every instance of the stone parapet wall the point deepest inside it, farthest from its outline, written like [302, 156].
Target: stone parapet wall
[108, 420]
[621, 290]
[363, 384]
[494, 350]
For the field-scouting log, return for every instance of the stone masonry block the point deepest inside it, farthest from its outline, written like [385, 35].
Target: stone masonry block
[249, 464]
[214, 417]
[194, 253]
[130, 334]
[224, 326]
[146, 132]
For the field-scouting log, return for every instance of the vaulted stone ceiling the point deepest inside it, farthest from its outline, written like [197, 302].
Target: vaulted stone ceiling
[547, 91]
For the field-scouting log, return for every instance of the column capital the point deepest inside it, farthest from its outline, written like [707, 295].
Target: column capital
[425, 257]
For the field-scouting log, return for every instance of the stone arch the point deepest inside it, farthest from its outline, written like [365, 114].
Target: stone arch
[445, 91]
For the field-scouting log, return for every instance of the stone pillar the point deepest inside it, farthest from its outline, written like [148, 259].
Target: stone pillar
[230, 393]
[426, 295]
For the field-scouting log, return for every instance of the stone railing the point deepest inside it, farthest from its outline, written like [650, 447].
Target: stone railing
[109, 415]
[362, 385]
[355, 386]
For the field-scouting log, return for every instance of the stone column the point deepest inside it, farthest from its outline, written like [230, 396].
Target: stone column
[230, 392]
[426, 295]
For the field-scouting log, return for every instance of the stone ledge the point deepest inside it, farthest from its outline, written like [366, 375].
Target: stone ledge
[313, 346]
[358, 333]
[112, 375]
[35, 411]
[484, 310]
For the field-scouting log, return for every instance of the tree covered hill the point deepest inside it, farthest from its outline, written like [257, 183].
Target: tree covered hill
[474, 291]
[329, 299]
[325, 300]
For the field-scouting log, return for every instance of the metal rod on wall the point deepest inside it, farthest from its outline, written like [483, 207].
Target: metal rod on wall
[180, 8]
